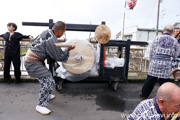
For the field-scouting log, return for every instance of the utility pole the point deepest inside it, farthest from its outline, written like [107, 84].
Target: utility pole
[123, 21]
[157, 27]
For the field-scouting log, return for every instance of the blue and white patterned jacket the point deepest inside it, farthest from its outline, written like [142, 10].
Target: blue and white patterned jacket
[163, 49]
[148, 110]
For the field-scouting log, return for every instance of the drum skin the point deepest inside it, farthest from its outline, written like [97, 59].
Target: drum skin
[81, 59]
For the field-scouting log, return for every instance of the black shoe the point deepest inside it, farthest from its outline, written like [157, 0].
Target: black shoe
[7, 80]
[17, 81]
[176, 82]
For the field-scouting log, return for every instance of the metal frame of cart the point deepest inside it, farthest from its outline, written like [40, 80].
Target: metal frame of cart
[112, 76]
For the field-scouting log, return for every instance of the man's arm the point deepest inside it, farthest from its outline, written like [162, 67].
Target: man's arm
[55, 53]
[152, 49]
[5, 35]
[21, 36]
[176, 49]
[2, 35]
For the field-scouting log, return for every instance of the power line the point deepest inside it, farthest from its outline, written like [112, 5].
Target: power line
[150, 13]
[170, 16]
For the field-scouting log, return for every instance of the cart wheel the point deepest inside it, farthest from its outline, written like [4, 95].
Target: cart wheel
[109, 83]
[59, 86]
[115, 86]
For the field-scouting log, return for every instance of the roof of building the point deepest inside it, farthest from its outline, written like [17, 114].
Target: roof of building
[148, 29]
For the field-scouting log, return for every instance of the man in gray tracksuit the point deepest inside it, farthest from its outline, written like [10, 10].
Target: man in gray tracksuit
[41, 49]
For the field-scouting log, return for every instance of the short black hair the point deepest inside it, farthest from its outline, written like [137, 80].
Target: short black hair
[176, 28]
[59, 25]
[13, 24]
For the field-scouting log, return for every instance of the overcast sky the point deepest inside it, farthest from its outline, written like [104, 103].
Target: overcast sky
[86, 12]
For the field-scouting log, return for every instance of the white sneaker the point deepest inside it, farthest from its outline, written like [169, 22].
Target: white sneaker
[43, 110]
[52, 97]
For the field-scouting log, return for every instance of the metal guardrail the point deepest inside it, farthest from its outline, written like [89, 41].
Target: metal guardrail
[136, 61]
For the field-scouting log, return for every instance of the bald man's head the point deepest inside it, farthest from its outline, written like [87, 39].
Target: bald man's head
[169, 28]
[168, 98]
[168, 91]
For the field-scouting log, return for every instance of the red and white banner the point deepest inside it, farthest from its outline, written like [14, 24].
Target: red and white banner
[131, 3]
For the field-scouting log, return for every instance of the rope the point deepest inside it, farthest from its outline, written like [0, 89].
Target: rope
[175, 116]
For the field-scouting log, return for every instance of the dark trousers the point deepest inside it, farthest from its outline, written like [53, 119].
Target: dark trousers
[149, 85]
[16, 63]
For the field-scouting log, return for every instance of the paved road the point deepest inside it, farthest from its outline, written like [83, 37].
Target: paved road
[77, 101]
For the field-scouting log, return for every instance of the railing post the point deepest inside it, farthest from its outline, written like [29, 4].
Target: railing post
[51, 23]
[127, 53]
[101, 71]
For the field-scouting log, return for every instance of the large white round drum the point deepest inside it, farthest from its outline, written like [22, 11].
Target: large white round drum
[81, 59]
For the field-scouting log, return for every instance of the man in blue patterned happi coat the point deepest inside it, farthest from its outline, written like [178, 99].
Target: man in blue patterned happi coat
[162, 107]
[163, 49]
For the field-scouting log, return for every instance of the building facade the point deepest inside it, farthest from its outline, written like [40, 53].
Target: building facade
[138, 34]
